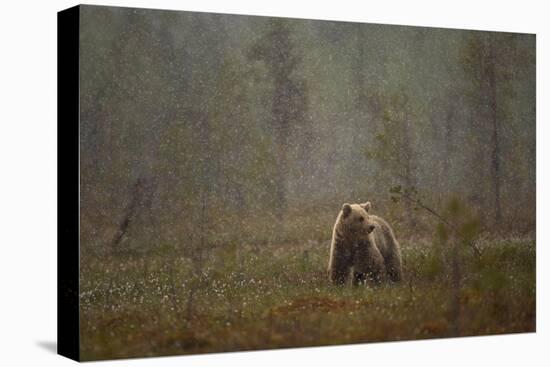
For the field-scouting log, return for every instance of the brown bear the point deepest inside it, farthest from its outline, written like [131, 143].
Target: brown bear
[364, 247]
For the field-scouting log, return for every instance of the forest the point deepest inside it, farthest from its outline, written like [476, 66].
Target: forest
[217, 150]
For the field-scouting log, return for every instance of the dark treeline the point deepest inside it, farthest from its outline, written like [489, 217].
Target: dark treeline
[201, 127]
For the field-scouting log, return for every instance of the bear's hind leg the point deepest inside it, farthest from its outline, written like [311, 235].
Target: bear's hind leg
[394, 268]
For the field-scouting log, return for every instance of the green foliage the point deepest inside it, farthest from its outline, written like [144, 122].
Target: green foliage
[393, 145]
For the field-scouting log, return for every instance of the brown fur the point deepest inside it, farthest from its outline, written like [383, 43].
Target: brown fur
[365, 250]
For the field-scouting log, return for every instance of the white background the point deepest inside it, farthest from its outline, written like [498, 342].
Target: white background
[28, 182]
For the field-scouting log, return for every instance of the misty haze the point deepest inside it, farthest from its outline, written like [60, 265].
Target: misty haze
[217, 151]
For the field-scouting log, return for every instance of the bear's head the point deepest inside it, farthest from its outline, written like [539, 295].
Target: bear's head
[355, 220]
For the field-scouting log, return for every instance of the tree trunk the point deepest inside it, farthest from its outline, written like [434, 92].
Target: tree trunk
[449, 135]
[408, 174]
[281, 124]
[495, 152]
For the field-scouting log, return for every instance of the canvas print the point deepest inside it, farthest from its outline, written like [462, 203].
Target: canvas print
[253, 183]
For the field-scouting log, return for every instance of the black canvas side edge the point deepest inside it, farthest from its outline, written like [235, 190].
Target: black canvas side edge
[68, 330]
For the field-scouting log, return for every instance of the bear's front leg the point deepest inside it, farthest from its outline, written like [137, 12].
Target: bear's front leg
[369, 261]
[339, 272]
[340, 261]
[339, 267]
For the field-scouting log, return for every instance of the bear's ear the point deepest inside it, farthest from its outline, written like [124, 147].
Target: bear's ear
[346, 209]
[366, 206]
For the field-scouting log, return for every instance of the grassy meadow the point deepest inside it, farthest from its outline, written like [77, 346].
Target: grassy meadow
[277, 295]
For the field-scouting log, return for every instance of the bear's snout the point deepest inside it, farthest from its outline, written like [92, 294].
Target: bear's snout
[371, 228]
